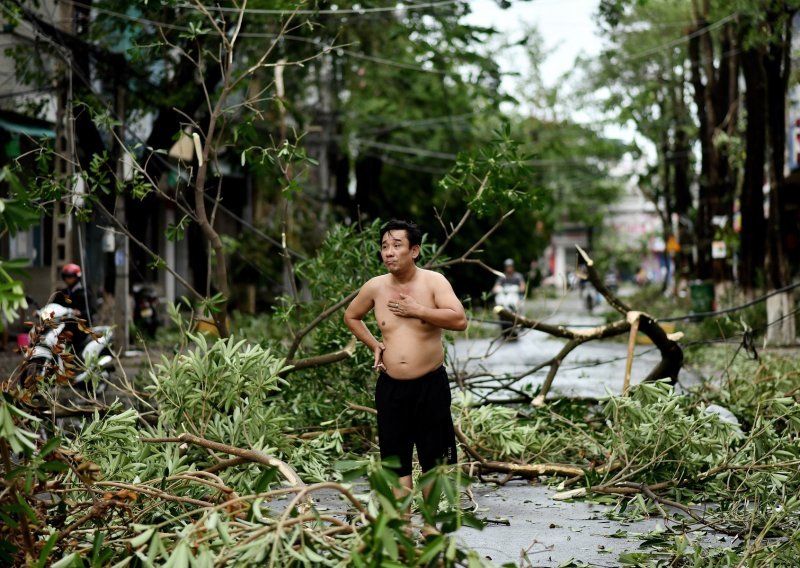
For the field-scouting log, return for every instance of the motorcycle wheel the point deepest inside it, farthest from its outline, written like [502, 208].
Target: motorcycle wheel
[30, 382]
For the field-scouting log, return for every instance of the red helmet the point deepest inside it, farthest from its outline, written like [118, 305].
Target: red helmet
[71, 270]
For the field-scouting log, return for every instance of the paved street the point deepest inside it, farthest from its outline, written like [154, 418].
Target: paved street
[548, 533]
[542, 531]
[592, 370]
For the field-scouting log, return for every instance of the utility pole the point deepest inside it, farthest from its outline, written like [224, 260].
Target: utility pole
[61, 239]
[121, 254]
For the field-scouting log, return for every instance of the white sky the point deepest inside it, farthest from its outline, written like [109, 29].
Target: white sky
[567, 27]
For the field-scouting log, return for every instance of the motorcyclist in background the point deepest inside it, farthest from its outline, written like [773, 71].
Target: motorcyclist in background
[510, 276]
[80, 299]
[509, 289]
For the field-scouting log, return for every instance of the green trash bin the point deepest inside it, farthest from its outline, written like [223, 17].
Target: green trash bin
[702, 295]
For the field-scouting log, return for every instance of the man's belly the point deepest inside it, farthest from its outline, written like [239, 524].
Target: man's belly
[412, 357]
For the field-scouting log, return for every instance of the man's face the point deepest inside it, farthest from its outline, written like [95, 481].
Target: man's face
[509, 269]
[395, 251]
[69, 279]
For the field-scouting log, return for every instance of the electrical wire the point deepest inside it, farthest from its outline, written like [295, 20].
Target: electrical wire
[682, 39]
[28, 92]
[738, 339]
[704, 315]
[331, 12]
[382, 61]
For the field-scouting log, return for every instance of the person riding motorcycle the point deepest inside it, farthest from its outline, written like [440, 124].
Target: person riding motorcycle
[509, 290]
[74, 295]
[65, 322]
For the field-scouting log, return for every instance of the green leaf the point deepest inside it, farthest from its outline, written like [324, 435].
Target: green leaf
[71, 559]
[46, 549]
[49, 446]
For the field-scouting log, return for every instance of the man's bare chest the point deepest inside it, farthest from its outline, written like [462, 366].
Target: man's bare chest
[409, 294]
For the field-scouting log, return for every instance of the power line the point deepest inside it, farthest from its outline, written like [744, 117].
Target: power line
[331, 12]
[28, 92]
[255, 35]
[682, 39]
[416, 151]
[362, 56]
[703, 315]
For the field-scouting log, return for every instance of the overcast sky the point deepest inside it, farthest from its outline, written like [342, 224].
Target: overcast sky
[568, 29]
[567, 26]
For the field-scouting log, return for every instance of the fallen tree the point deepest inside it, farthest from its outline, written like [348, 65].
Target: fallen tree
[633, 322]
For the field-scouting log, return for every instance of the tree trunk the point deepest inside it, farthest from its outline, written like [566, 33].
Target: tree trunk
[681, 180]
[752, 247]
[781, 329]
[702, 221]
[714, 80]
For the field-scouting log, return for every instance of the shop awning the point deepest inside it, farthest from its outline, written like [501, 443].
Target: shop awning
[26, 129]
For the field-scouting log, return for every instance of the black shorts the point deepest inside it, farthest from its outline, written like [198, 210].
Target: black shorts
[416, 412]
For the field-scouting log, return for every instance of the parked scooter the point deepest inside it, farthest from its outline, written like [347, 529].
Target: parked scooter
[145, 309]
[509, 298]
[50, 353]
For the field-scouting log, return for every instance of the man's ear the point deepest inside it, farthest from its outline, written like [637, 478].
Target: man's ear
[415, 252]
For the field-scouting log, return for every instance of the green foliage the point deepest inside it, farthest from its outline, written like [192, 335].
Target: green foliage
[753, 388]
[494, 179]
[12, 292]
[15, 214]
[346, 259]
[543, 435]
[222, 386]
[19, 438]
[674, 437]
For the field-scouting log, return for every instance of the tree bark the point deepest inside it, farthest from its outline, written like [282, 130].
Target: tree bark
[702, 221]
[715, 81]
[752, 241]
[780, 310]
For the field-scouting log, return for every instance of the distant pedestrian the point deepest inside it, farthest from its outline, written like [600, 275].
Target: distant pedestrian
[641, 276]
[509, 290]
[535, 275]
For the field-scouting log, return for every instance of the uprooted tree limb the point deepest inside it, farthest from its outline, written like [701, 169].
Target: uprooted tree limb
[671, 353]
[256, 456]
[527, 471]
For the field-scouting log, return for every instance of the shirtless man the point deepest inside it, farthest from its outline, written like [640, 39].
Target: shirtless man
[412, 307]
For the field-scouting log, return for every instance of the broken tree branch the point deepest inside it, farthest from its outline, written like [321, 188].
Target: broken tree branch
[257, 456]
[345, 353]
[671, 353]
[522, 470]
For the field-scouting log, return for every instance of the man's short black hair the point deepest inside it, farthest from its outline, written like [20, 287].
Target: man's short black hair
[412, 231]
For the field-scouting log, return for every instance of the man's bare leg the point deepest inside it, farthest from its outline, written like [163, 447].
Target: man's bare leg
[407, 485]
[428, 530]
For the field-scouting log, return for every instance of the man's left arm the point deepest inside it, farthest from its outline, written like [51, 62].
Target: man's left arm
[447, 313]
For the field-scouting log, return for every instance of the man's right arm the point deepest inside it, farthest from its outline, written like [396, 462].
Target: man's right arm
[354, 319]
